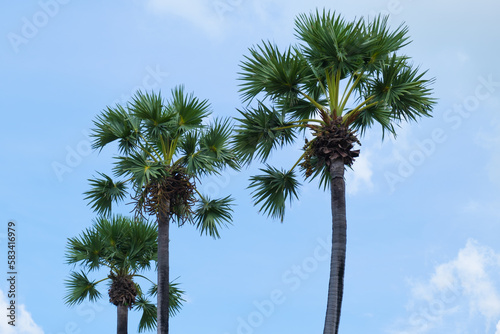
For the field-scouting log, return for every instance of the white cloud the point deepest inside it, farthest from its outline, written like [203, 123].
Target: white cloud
[361, 176]
[24, 322]
[460, 295]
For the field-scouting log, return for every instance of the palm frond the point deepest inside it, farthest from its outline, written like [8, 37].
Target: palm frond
[142, 245]
[175, 299]
[318, 171]
[104, 192]
[192, 157]
[212, 214]
[149, 314]
[298, 109]
[379, 113]
[259, 131]
[116, 124]
[189, 109]
[272, 189]
[381, 42]
[403, 89]
[137, 166]
[271, 72]
[88, 250]
[149, 106]
[189, 144]
[331, 43]
[79, 288]
[215, 142]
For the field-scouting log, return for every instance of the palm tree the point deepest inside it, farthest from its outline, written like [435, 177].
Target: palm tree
[126, 247]
[336, 83]
[164, 147]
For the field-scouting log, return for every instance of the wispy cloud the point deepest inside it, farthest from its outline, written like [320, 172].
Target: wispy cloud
[201, 13]
[360, 178]
[24, 322]
[460, 295]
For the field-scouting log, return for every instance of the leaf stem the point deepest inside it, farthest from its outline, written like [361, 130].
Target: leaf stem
[346, 97]
[145, 150]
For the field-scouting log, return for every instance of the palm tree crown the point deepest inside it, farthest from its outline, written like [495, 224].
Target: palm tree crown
[126, 248]
[163, 148]
[341, 75]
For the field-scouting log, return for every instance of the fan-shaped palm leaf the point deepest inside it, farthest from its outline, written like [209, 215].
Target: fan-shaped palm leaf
[272, 189]
[79, 288]
[261, 130]
[104, 192]
[212, 214]
[271, 72]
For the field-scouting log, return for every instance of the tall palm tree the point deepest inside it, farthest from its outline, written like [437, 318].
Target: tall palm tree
[164, 147]
[340, 79]
[125, 248]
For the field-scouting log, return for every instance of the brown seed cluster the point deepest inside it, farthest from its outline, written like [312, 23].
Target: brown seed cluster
[331, 142]
[169, 195]
[122, 291]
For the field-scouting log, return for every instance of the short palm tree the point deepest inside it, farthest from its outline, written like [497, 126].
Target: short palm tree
[125, 248]
[336, 83]
[164, 148]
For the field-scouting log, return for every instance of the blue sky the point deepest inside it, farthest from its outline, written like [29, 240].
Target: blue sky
[423, 221]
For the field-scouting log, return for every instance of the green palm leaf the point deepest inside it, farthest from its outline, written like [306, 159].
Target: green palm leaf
[149, 317]
[272, 189]
[215, 142]
[139, 167]
[271, 72]
[193, 158]
[116, 124]
[208, 151]
[318, 171]
[149, 107]
[143, 247]
[403, 89]
[88, 250]
[298, 109]
[160, 124]
[189, 109]
[259, 131]
[104, 192]
[380, 114]
[79, 288]
[212, 214]
[381, 41]
[329, 42]
[175, 299]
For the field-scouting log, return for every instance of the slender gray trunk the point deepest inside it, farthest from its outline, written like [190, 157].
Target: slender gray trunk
[163, 273]
[339, 241]
[122, 319]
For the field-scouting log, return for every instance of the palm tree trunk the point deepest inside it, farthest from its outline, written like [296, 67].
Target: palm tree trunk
[163, 272]
[339, 241]
[122, 319]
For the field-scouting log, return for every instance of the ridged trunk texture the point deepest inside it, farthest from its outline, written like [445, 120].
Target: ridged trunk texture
[163, 272]
[339, 242]
[122, 319]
